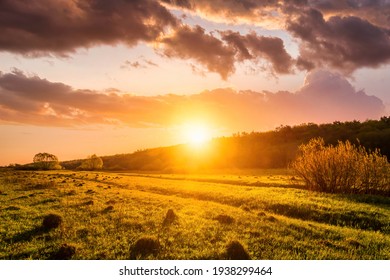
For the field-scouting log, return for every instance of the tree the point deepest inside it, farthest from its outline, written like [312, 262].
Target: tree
[46, 161]
[93, 162]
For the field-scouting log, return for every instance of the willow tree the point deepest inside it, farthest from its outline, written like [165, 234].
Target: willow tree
[46, 161]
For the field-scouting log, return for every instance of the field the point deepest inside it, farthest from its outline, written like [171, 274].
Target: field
[176, 216]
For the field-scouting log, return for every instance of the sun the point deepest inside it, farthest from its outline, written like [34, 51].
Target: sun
[197, 134]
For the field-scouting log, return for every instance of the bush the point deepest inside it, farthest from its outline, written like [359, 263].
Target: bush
[344, 168]
[93, 162]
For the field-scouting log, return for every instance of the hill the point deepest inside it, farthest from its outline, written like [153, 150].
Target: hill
[272, 149]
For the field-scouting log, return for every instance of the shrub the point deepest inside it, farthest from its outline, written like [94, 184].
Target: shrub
[93, 162]
[344, 168]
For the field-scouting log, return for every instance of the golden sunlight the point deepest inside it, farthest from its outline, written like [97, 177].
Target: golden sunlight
[197, 134]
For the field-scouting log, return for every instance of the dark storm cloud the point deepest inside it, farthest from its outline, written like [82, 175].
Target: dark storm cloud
[346, 43]
[60, 26]
[325, 97]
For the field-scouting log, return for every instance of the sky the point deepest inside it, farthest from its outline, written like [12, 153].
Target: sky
[82, 77]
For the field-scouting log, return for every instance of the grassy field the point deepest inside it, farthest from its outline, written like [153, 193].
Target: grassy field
[152, 216]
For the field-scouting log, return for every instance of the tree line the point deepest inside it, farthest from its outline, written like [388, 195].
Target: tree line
[271, 149]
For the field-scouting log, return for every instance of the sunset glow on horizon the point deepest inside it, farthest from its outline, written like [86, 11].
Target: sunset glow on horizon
[197, 134]
[110, 77]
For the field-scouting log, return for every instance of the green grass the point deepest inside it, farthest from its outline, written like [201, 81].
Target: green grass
[105, 215]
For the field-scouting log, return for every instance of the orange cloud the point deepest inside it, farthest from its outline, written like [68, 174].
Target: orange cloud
[325, 97]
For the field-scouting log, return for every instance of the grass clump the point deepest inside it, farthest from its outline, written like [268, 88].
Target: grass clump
[144, 247]
[170, 217]
[235, 251]
[225, 219]
[51, 221]
[344, 168]
[65, 252]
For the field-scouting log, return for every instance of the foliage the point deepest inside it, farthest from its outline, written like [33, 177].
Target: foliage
[343, 168]
[93, 162]
[46, 161]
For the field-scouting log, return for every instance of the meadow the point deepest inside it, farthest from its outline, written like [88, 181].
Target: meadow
[120, 215]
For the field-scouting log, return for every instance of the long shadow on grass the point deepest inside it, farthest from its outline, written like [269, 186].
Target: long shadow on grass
[374, 200]
[354, 219]
[28, 235]
[19, 256]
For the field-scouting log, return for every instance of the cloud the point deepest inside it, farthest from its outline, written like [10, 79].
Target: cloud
[49, 27]
[345, 43]
[221, 55]
[209, 51]
[328, 94]
[234, 11]
[39, 27]
[345, 35]
[339, 34]
[33, 100]
[142, 63]
[325, 97]
[377, 11]
[273, 13]
[253, 47]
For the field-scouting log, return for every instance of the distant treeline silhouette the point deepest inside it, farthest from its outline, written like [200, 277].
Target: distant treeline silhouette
[272, 149]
